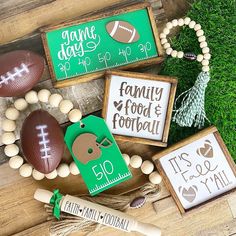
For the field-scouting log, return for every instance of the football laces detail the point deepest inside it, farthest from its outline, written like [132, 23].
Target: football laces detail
[124, 28]
[17, 72]
[45, 150]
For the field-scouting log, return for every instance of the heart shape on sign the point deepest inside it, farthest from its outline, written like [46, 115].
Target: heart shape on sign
[189, 194]
[206, 151]
[118, 105]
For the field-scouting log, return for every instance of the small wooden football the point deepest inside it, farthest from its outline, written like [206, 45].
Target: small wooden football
[20, 70]
[122, 31]
[42, 141]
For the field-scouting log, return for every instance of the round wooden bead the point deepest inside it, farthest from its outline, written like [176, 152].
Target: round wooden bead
[163, 41]
[174, 53]
[181, 22]
[199, 33]
[174, 22]
[168, 51]
[155, 178]
[169, 25]
[201, 39]
[192, 23]
[166, 45]
[205, 68]
[74, 169]
[11, 150]
[65, 106]
[126, 158]
[166, 31]
[203, 44]
[205, 50]
[16, 162]
[37, 175]
[8, 138]
[180, 54]
[51, 175]
[197, 27]
[55, 99]
[162, 35]
[20, 104]
[207, 56]
[187, 20]
[205, 62]
[12, 113]
[31, 97]
[147, 167]
[25, 170]
[199, 57]
[8, 125]
[136, 161]
[75, 115]
[43, 95]
[63, 170]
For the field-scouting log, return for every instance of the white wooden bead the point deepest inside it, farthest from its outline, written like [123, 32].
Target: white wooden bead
[74, 169]
[155, 178]
[162, 35]
[75, 115]
[65, 106]
[187, 20]
[197, 27]
[20, 104]
[166, 31]
[37, 175]
[163, 41]
[31, 97]
[25, 170]
[169, 25]
[174, 22]
[8, 125]
[203, 44]
[8, 138]
[16, 162]
[205, 62]
[12, 113]
[205, 68]
[199, 33]
[126, 158]
[55, 99]
[147, 167]
[168, 51]
[174, 53]
[166, 45]
[181, 22]
[207, 56]
[11, 150]
[43, 95]
[192, 24]
[205, 50]
[51, 175]
[201, 39]
[63, 170]
[180, 54]
[136, 161]
[199, 57]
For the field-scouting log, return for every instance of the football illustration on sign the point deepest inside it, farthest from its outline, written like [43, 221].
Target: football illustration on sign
[122, 31]
[206, 151]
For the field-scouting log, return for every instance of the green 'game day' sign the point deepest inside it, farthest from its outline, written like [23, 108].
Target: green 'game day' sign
[123, 38]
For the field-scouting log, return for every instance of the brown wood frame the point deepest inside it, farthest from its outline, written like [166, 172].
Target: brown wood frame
[142, 76]
[156, 158]
[96, 75]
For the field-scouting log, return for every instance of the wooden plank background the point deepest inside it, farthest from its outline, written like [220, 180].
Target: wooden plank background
[20, 215]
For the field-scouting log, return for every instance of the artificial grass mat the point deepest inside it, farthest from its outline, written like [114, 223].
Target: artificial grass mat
[218, 20]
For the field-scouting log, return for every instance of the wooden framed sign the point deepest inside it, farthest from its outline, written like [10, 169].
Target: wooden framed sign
[137, 107]
[82, 50]
[197, 169]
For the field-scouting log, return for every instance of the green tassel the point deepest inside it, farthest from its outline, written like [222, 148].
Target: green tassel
[192, 111]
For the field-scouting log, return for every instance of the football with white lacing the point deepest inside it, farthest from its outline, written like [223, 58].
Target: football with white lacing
[122, 31]
[20, 70]
[42, 141]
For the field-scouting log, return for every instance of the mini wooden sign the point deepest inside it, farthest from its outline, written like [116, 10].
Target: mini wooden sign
[137, 107]
[197, 169]
[82, 50]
